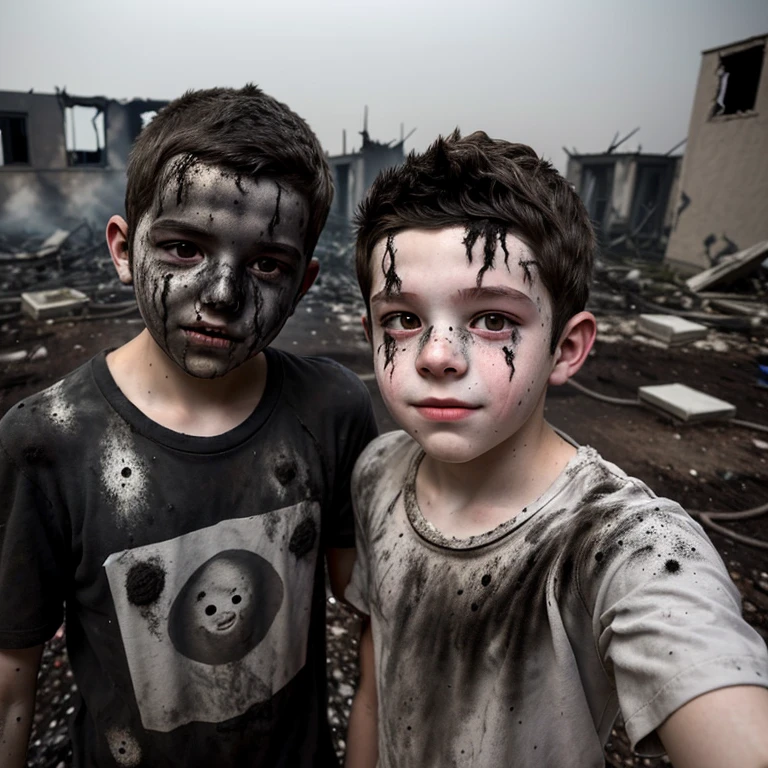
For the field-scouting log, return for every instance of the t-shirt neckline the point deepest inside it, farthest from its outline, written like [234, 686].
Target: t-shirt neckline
[150, 429]
[429, 533]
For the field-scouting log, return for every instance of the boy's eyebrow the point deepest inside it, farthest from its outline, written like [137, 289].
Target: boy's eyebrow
[184, 228]
[386, 295]
[490, 292]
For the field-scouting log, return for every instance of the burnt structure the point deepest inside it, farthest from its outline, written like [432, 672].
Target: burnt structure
[63, 157]
[722, 203]
[628, 194]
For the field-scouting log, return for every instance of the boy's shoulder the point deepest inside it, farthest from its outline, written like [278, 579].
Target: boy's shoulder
[390, 452]
[51, 410]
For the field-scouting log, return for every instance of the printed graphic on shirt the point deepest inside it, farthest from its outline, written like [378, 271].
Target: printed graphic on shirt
[212, 620]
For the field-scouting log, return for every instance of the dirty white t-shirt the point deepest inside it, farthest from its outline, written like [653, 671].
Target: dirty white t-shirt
[520, 646]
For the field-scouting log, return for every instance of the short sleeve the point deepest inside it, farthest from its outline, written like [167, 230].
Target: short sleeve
[668, 623]
[356, 432]
[357, 591]
[31, 555]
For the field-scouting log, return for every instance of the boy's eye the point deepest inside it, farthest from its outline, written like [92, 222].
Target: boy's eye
[266, 265]
[492, 321]
[402, 321]
[183, 250]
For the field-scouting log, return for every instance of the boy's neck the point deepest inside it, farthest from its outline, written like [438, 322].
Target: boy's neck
[178, 401]
[474, 497]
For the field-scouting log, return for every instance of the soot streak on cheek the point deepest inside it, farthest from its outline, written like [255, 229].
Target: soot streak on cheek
[275, 220]
[390, 347]
[466, 340]
[509, 359]
[392, 281]
[258, 301]
[164, 303]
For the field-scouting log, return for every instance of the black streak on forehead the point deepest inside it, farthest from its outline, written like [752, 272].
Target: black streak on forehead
[275, 220]
[509, 359]
[526, 266]
[239, 183]
[472, 233]
[392, 281]
[180, 171]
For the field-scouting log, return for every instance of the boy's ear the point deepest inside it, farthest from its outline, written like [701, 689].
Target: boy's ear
[367, 328]
[117, 240]
[575, 343]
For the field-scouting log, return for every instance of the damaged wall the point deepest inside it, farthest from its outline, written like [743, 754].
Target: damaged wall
[626, 194]
[722, 203]
[43, 185]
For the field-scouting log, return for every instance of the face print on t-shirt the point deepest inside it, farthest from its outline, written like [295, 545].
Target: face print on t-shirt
[226, 607]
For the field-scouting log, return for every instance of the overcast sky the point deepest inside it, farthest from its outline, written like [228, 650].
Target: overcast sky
[545, 72]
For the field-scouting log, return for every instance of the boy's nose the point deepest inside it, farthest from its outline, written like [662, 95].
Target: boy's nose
[223, 291]
[442, 355]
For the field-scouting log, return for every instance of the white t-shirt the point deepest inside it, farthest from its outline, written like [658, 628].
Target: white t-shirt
[520, 646]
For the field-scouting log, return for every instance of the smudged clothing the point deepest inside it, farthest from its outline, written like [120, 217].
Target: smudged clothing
[110, 513]
[520, 646]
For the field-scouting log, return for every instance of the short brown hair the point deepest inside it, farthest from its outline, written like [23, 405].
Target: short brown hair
[493, 186]
[243, 130]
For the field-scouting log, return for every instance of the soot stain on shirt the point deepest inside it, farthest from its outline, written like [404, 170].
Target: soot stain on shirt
[303, 538]
[144, 582]
[392, 282]
[285, 470]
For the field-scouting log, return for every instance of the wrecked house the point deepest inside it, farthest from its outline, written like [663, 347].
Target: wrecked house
[63, 157]
[354, 173]
[628, 194]
[722, 203]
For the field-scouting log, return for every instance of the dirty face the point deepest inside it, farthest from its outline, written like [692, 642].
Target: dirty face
[226, 607]
[218, 265]
[460, 338]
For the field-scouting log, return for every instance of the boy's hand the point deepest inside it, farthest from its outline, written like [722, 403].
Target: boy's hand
[726, 728]
[18, 682]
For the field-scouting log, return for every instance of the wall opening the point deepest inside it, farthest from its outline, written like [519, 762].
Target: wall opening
[84, 131]
[596, 190]
[739, 78]
[341, 179]
[14, 147]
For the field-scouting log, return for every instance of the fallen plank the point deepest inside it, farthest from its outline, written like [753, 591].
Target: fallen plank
[730, 268]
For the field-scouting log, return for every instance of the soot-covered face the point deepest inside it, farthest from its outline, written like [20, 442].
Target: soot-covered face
[461, 336]
[218, 265]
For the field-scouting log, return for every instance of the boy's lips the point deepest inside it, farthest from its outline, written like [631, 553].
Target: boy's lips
[449, 409]
[209, 336]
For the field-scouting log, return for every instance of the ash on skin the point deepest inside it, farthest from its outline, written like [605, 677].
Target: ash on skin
[218, 265]
[457, 340]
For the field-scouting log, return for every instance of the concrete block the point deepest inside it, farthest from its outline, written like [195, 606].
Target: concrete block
[671, 329]
[42, 305]
[686, 403]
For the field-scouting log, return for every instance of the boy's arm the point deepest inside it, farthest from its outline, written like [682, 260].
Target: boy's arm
[18, 682]
[726, 728]
[363, 735]
[340, 561]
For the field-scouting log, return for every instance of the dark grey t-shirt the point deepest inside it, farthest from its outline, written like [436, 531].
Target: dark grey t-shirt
[518, 647]
[191, 567]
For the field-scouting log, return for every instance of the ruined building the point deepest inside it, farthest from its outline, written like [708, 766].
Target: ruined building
[628, 194]
[722, 201]
[63, 158]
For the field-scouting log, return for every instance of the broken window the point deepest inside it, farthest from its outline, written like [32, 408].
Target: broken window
[14, 148]
[84, 131]
[739, 77]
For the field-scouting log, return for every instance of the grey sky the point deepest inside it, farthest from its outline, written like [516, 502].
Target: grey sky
[546, 72]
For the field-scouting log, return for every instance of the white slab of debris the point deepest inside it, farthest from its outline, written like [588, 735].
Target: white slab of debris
[686, 403]
[42, 305]
[671, 329]
[730, 268]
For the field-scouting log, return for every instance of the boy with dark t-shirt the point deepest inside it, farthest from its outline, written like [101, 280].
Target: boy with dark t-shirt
[521, 592]
[178, 493]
